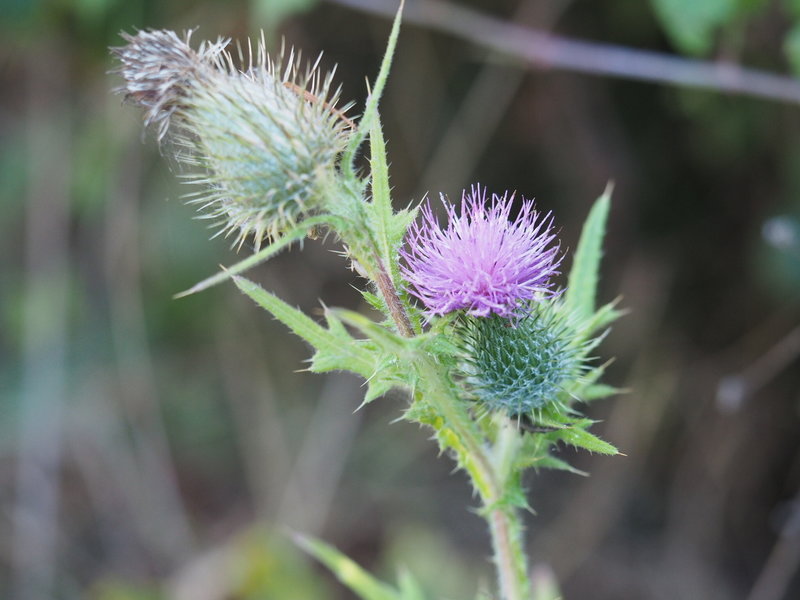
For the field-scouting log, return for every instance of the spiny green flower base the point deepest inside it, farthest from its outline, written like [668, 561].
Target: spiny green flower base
[521, 364]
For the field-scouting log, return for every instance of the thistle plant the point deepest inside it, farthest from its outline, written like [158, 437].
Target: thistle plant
[493, 355]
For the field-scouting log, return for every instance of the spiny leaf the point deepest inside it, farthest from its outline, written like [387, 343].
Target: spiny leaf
[443, 347]
[388, 374]
[582, 286]
[401, 220]
[588, 379]
[598, 391]
[381, 197]
[602, 318]
[551, 462]
[378, 386]
[261, 256]
[535, 452]
[371, 107]
[385, 339]
[425, 413]
[335, 347]
[374, 301]
[338, 358]
[361, 582]
[421, 412]
[580, 438]
[514, 495]
[572, 430]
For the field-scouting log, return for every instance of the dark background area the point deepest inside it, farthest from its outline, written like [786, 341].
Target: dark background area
[159, 448]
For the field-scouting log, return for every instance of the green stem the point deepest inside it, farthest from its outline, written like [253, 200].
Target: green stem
[461, 435]
[509, 554]
[398, 312]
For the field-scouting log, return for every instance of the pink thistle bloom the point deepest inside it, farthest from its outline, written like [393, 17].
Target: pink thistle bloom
[482, 262]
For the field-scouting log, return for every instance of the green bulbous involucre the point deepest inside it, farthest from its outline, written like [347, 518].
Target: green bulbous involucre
[259, 141]
[519, 365]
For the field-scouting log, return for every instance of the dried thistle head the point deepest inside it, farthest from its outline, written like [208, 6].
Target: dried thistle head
[258, 140]
[159, 70]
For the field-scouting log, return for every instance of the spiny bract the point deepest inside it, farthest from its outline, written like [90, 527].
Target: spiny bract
[519, 365]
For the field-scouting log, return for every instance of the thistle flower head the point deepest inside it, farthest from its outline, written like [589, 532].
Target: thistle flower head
[482, 261]
[259, 140]
[519, 365]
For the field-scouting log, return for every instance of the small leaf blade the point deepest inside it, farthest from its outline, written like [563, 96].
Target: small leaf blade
[381, 197]
[361, 582]
[410, 588]
[580, 438]
[583, 277]
[261, 256]
[371, 107]
[339, 348]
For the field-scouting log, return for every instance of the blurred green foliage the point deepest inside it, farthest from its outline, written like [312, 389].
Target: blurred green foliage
[692, 25]
[711, 276]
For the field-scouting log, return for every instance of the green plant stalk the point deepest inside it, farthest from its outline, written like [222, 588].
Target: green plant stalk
[489, 481]
[399, 315]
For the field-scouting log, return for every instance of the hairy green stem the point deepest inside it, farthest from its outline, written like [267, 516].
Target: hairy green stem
[509, 554]
[385, 284]
[461, 435]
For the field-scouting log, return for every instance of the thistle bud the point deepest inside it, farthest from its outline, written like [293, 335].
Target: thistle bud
[258, 141]
[519, 365]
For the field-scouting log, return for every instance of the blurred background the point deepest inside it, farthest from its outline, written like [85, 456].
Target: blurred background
[153, 448]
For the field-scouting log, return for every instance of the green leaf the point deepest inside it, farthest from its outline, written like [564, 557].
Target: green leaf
[602, 318]
[371, 106]
[692, 23]
[410, 588]
[580, 438]
[388, 374]
[379, 385]
[388, 228]
[374, 301]
[263, 255]
[582, 287]
[551, 462]
[588, 379]
[572, 430]
[362, 583]
[381, 196]
[598, 391]
[384, 338]
[336, 349]
[535, 452]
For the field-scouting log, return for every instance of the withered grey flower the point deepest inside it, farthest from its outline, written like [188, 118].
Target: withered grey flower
[259, 140]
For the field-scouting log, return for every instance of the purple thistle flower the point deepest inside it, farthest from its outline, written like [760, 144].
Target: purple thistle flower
[481, 262]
